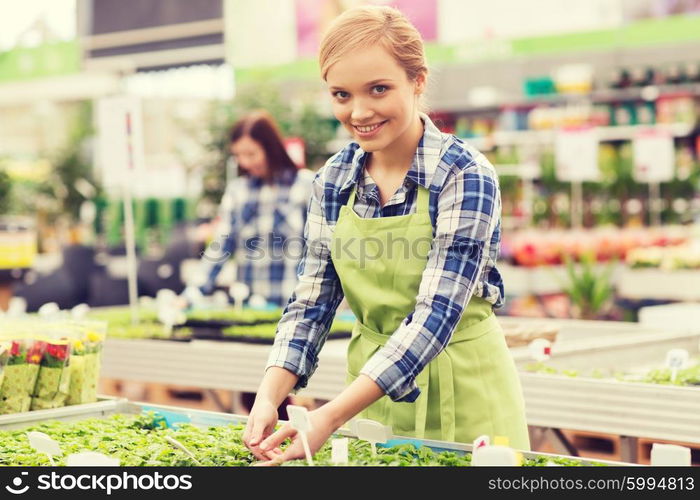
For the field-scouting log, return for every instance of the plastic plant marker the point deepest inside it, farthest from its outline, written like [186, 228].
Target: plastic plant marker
[91, 459]
[481, 441]
[670, 454]
[372, 432]
[48, 309]
[80, 311]
[501, 441]
[540, 349]
[299, 420]
[146, 302]
[177, 444]
[339, 451]
[257, 302]
[44, 444]
[194, 295]
[171, 316]
[220, 298]
[17, 306]
[239, 292]
[675, 360]
[165, 296]
[494, 456]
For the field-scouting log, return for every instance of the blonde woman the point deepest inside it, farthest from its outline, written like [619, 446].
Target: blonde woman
[404, 223]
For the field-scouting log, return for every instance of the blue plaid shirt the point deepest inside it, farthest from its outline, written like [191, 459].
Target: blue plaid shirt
[262, 227]
[465, 210]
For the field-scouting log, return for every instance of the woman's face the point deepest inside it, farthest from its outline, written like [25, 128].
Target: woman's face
[373, 97]
[250, 156]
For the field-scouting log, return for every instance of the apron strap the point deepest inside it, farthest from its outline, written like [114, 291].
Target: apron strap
[351, 200]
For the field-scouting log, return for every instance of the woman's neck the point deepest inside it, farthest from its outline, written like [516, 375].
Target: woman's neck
[398, 156]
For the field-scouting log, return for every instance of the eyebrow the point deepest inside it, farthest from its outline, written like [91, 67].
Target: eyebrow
[368, 84]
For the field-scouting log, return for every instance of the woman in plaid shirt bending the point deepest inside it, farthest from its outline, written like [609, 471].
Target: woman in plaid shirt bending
[263, 213]
[404, 223]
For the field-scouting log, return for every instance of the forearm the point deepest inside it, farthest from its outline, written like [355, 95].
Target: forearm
[276, 385]
[356, 397]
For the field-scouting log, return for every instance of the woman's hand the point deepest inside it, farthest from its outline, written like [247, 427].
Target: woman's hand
[322, 427]
[261, 422]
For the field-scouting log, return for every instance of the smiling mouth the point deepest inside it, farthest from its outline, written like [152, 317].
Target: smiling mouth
[368, 129]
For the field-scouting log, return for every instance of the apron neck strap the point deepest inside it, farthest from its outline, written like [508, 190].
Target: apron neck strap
[423, 200]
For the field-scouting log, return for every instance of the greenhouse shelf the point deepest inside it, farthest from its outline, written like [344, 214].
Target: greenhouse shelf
[202, 418]
[658, 284]
[105, 406]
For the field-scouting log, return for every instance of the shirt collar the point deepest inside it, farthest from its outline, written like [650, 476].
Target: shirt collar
[425, 161]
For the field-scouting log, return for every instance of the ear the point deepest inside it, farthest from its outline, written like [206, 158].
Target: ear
[421, 81]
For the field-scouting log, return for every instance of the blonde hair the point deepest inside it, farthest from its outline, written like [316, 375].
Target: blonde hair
[366, 26]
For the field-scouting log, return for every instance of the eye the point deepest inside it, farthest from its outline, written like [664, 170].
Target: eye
[341, 95]
[379, 89]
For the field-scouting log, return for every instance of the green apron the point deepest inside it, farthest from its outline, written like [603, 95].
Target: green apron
[472, 387]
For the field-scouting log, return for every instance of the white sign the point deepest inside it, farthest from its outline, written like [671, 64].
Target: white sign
[299, 420]
[540, 349]
[120, 149]
[654, 157]
[44, 444]
[576, 155]
[372, 432]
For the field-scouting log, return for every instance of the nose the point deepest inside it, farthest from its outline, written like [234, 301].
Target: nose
[361, 111]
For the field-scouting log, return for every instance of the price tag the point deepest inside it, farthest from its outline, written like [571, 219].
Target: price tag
[654, 157]
[91, 459]
[670, 454]
[576, 155]
[339, 451]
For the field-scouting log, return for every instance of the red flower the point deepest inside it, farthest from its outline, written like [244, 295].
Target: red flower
[15, 350]
[36, 352]
[59, 352]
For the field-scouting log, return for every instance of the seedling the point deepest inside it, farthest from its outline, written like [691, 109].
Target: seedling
[299, 420]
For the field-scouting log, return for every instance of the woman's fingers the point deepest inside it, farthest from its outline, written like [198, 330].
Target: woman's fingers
[276, 439]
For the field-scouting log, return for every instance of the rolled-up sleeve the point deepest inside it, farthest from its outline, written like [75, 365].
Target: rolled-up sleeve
[304, 326]
[468, 213]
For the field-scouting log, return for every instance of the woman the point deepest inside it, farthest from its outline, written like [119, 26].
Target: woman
[405, 224]
[263, 213]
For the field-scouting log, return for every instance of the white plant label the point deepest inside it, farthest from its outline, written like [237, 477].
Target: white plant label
[676, 359]
[540, 349]
[17, 306]
[339, 451]
[299, 418]
[80, 311]
[44, 444]
[220, 298]
[494, 456]
[372, 432]
[91, 459]
[239, 292]
[670, 454]
[257, 301]
[480, 442]
[49, 309]
[576, 155]
[654, 157]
